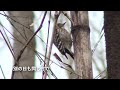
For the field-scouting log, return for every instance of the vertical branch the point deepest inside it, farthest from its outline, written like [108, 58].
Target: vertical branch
[49, 53]
[81, 42]
[47, 43]
[47, 36]
[55, 23]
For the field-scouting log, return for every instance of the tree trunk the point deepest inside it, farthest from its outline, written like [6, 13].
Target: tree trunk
[112, 38]
[23, 34]
[81, 43]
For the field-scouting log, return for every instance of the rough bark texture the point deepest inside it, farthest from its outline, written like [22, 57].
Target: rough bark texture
[112, 37]
[27, 59]
[81, 42]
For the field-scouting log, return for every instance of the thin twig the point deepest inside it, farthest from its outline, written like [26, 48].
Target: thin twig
[100, 74]
[48, 35]
[98, 40]
[58, 58]
[15, 27]
[47, 41]
[7, 39]
[53, 74]
[2, 72]
[15, 20]
[9, 33]
[97, 44]
[8, 45]
[102, 29]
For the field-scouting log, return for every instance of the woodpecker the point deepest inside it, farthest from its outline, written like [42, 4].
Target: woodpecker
[62, 40]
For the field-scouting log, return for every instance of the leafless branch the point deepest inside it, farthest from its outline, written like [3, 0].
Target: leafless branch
[49, 53]
[47, 39]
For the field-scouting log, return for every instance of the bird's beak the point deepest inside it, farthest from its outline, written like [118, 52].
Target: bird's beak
[64, 23]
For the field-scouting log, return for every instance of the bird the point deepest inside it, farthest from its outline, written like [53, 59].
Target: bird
[62, 40]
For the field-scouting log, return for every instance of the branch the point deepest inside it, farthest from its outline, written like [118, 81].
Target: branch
[47, 42]
[49, 53]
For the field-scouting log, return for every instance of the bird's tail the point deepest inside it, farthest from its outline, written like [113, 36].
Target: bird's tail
[70, 53]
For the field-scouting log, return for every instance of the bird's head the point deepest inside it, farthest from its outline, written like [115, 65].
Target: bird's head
[61, 24]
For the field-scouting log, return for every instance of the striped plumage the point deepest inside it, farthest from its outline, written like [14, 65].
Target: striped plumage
[62, 40]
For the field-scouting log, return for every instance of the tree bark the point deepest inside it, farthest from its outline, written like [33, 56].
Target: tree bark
[112, 38]
[27, 59]
[81, 43]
